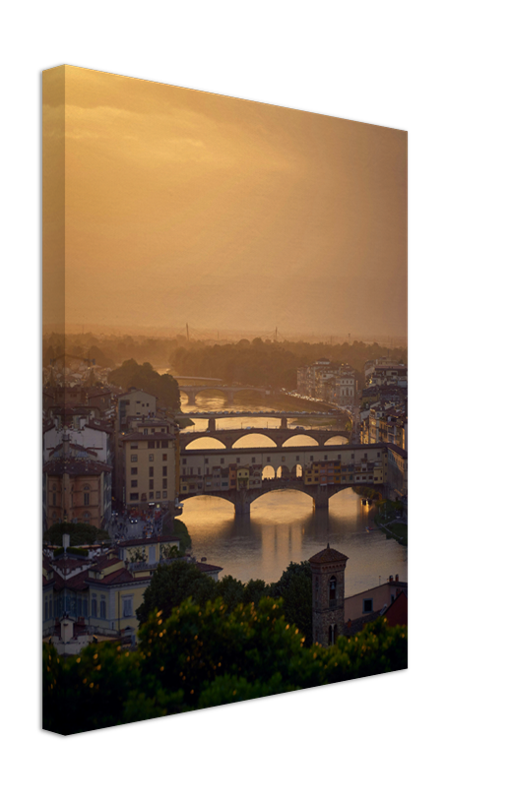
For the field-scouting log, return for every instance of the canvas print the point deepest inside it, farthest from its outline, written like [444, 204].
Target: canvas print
[224, 474]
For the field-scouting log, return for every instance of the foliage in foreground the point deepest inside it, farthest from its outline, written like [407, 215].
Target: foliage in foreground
[79, 532]
[200, 657]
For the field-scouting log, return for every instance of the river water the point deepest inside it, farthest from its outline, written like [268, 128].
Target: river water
[282, 526]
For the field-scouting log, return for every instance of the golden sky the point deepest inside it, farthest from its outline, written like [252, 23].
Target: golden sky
[183, 206]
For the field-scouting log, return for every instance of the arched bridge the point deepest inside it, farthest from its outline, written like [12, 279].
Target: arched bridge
[228, 391]
[277, 435]
[241, 475]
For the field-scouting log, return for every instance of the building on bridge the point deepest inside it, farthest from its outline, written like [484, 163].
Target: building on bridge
[241, 475]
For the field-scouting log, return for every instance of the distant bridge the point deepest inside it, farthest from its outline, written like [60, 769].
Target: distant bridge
[277, 435]
[228, 391]
[277, 414]
[196, 378]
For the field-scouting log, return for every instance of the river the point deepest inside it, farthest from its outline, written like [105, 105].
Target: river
[282, 526]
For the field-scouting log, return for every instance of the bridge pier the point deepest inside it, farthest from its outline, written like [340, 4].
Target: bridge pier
[321, 499]
[242, 507]
[284, 422]
[212, 424]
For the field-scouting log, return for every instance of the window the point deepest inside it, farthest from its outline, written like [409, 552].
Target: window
[151, 445]
[54, 499]
[332, 588]
[165, 495]
[165, 456]
[102, 607]
[86, 499]
[222, 461]
[145, 431]
[133, 496]
[164, 444]
[253, 460]
[151, 472]
[134, 470]
[134, 458]
[184, 460]
[206, 461]
[238, 461]
[151, 457]
[297, 458]
[151, 495]
[268, 459]
[134, 445]
[134, 484]
[151, 484]
[93, 611]
[127, 606]
[367, 605]
[158, 495]
[165, 470]
[165, 483]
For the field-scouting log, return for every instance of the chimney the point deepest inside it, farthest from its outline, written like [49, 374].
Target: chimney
[390, 578]
[397, 577]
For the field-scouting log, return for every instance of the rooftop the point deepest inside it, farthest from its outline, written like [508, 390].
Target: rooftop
[329, 555]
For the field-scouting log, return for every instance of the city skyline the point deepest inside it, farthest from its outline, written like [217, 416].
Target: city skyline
[183, 206]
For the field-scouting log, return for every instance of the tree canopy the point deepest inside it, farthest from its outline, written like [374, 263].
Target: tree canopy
[80, 533]
[203, 656]
[144, 377]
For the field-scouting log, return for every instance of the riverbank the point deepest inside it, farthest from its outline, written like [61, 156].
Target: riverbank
[393, 530]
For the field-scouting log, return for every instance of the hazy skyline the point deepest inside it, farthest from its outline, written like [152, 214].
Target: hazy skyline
[188, 207]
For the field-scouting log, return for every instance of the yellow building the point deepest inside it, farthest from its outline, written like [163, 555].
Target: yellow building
[95, 591]
[151, 464]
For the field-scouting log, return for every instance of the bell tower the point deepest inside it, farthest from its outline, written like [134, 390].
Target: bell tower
[328, 575]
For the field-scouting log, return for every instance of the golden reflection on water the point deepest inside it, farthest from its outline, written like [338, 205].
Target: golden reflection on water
[282, 526]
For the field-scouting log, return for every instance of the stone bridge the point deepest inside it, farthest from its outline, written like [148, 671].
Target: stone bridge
[241, 475]
[277, 435]
[242, 499]
[228, 391]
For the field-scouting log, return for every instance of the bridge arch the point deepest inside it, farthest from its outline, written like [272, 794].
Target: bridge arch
[334, 440]
[227, 500]
[207, 441]
[310, 441]
[243, 441]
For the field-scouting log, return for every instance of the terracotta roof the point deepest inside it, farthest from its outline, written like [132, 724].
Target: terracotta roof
[120, 576]
[146, 540]
[354, 626]
[397, 613]
[60, 466]
[327, 556]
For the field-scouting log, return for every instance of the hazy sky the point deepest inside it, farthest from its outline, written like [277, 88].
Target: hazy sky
[184, 206]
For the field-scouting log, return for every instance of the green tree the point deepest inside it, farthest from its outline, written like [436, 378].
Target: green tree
[200, 656]
[173, 583]
[231, 591]
[80, 533]
[295, 588]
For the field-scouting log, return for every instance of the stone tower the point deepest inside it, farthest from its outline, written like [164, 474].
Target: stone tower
[328, 574]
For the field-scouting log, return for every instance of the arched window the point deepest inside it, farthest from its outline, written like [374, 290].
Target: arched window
[332, 588]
